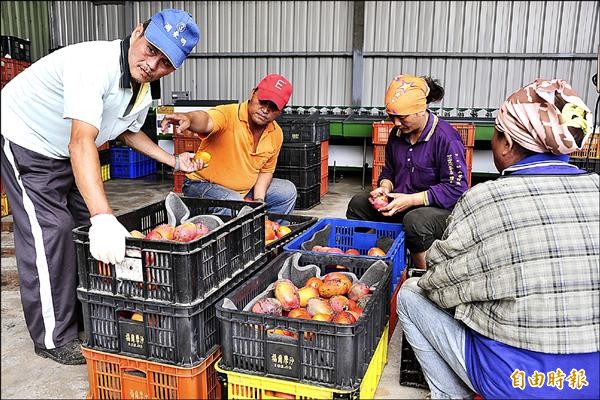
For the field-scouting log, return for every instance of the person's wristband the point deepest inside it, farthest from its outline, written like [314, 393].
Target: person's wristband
[425, 199]
[259, 199]
[176, 168]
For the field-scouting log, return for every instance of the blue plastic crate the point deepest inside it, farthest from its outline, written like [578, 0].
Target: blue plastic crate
[132, 170]
[126, 155]
[354, 234]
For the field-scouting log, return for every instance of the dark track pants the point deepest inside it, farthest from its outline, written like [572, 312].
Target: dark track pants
[422, 225]
[46, 206]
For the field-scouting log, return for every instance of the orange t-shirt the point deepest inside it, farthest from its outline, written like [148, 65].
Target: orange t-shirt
[233, 163]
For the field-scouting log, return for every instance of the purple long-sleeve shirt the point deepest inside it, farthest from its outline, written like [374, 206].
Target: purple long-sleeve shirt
[435, 163]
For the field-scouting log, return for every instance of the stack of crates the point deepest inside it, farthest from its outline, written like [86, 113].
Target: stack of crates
[128, 163]
[104, 155]
[150, 324]
[267, 356]
[411, 373]
[588, 158]
[324, 167]
[183, 142]
[381, 132]
[301, 157]
[16, 56]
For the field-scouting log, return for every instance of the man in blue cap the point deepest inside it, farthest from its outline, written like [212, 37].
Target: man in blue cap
[54, 116]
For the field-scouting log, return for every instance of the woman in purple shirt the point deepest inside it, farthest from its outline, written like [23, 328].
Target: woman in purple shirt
[425, 172]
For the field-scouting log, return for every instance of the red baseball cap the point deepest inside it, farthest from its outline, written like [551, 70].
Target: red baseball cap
[274, 88]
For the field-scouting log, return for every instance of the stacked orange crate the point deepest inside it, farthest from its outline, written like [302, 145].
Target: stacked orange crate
[324, 167]
[467, 134]
[186, 141]
[114, 376]
[380, 135]
[381, 131]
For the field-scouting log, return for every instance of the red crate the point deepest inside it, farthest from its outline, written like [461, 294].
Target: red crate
[378, 153]
[381, 131]
[178, 179]
[379, 161]
[467, 133]
[10, 69]
[376, 171]
[119, 377]
[185, 134]
[22, 65]
[182, 144]
[469, 162]
[324, 149]
[394, 305]
[324, 166]
[324, 185]
[105, 146]
[594, 143]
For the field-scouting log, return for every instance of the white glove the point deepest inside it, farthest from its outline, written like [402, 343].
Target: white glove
[107, 238]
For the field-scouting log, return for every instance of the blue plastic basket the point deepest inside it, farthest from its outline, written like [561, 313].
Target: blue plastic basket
[126, 155]
[132, 170]
[354, 234]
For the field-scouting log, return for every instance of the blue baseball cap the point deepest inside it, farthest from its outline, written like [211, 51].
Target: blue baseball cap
[174, 33]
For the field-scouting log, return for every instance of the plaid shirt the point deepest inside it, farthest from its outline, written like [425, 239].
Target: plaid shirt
[520, 262]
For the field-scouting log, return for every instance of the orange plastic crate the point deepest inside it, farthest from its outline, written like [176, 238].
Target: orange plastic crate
[105, 146]
[381, 131]
[9, 69]
[324, 185]
[182, 144]
[467, 133]
[393, 306]
[593, 145]
[324, 166]
[378, 153]
[324, 149]
[376, 172]
[118, 377]
[178, 179]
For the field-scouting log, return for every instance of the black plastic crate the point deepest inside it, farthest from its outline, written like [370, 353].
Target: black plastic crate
[297, 224]
[302, 177]
[328, 354]
[588, 164]
[173, 272]
[411, 373]
[104, 156]
[304, 128]
[299, 155]
[308, 198]
[16, 48]
[172, 334]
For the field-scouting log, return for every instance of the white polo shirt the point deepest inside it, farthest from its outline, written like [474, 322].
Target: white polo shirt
[82, 82]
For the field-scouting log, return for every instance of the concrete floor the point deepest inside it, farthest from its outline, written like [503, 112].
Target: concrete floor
[26, 375]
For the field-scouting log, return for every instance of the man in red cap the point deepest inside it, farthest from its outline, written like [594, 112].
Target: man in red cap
[243, 141]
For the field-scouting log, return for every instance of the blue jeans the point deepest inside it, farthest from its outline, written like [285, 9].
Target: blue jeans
[280, 198]
[438, 341]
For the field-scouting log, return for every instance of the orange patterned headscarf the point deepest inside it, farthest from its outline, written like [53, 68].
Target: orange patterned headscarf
[406, 95]
[539, 115]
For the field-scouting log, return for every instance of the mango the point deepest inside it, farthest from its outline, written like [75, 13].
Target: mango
[287, 294]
